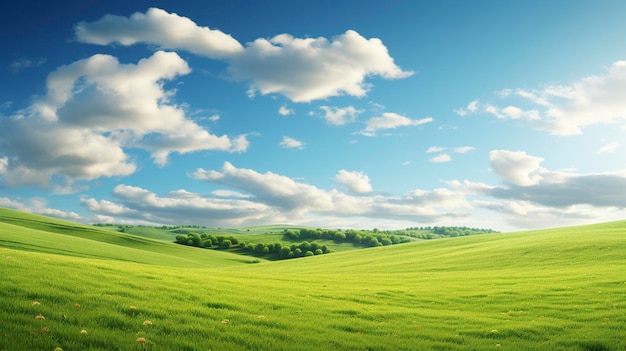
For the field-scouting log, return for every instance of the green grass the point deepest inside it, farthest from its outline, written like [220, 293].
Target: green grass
[42, 234]
[560, 289]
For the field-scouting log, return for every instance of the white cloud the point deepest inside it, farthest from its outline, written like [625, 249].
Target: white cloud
[339, 116]
[291, 143]
[314, 68]
[472, 107]
[390, 120]
[528, 215]
[609, 148]
[516, 167]
[93, 110]
[354, 182]
[160, 28]
[284, 111]
[299, 200]
[176, 207]
[271, 189]
[302, 69]
[434, 149]
[39, 206]
[441, 158]
[568, 109]
[463, 149]
[533, 196]
[556, 198]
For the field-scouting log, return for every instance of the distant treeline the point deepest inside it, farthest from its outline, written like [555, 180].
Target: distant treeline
[448, 231]
[123, 227]
[365, 238]
[270, 251]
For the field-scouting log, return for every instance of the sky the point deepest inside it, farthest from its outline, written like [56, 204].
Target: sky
[508, 115]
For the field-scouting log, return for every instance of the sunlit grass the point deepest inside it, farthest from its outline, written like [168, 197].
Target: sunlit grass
[559, 289]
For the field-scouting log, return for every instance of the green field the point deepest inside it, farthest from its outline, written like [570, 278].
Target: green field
[558, 289]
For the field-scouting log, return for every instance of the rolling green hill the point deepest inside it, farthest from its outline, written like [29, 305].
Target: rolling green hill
[558, 289]
[31, 232]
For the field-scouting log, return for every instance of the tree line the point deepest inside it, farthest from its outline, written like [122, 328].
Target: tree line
[265, 250]
[364, 238]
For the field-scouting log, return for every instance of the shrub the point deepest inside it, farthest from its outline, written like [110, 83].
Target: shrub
[225, 244]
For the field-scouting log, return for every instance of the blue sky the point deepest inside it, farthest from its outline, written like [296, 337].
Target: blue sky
[361, 114]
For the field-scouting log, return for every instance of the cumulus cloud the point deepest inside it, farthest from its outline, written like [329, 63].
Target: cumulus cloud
[284, 111]
[302, 69]
[390, 120]
[532, 196]
[39, 206]
[291, 143]
[339, 116]
[470, 108]
[355, 182]
[517, 167]
[434, 149]
[441, 158]
[93, 110]
[528, 215]
[160, 28]
[566, 109]
[314, 68]
[176, 207]
[529, 197]
[297, 200]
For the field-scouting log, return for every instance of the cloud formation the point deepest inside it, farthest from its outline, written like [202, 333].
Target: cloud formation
[314, 68]
[390, 120]
[565, 109]
[160, 28]
[176, 207]
[38, 206]
[93, 110]
[297, 200]
[442, 158]
[338, 116]
[532, 196]
[355, 182]
[302, 69]
[291, 143]
[284, 111]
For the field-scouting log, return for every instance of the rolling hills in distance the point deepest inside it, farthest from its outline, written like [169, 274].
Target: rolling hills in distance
[69, 286]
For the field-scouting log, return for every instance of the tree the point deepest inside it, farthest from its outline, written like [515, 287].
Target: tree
[225, 244]
[284, 252]
[195, 239]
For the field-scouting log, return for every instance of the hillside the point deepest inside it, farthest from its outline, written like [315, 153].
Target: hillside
[32, 232]
[558, 289]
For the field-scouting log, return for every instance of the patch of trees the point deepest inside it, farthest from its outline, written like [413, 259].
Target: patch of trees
[364, 238]
[206, 240]
[270, 251]
[438, 232]
[282, 251]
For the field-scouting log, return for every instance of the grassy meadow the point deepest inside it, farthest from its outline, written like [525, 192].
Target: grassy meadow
[66, 286]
